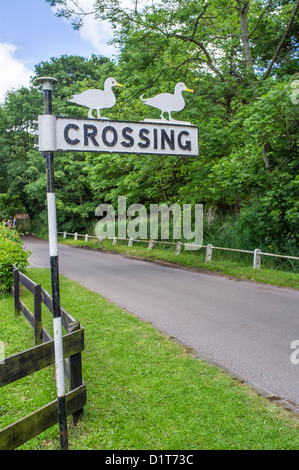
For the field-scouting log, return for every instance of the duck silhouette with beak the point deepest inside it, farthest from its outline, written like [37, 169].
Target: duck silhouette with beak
[168, 102]
[97, 99]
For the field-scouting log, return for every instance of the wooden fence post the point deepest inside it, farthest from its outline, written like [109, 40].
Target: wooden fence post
[76, 236]
[257, 259]
[75, 364]
[38, 314]
[209, 253]
[114, 241]
[130, 242]
[178, 248]
[16, 282]
[150, 245]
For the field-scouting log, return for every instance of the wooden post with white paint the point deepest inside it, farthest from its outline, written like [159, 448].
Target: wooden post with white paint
[178, 248]
[150, 245]
[257, 259]
[209, 251]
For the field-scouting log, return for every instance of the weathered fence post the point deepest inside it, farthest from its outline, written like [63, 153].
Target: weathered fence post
[209, 253]
[64, 235]
[178, 248]
[16, 293]
[114, 241]
[150, 245]
[75, 363]
[86, 237]
[130, 242]
[38, 314]
[257, 259]
[75, 236]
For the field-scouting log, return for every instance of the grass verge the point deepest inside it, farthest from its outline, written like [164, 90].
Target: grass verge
[237, 265]
[144, 391]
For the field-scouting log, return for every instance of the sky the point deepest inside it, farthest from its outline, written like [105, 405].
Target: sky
[31, 33]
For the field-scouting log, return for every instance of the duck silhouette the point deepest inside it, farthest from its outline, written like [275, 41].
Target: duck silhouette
[168, 102]
[97, 99]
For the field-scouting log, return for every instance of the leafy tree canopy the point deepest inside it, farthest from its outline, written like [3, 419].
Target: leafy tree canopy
[241, 59]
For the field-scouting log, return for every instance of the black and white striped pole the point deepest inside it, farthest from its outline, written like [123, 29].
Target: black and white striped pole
[48, 120]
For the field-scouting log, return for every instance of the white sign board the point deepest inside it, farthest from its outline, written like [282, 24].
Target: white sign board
[103, 135]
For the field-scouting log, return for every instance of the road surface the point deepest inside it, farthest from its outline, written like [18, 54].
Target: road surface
[246, 328]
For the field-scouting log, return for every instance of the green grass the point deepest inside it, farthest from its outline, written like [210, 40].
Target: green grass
[233, 264]
[30, 393]
[144, 391]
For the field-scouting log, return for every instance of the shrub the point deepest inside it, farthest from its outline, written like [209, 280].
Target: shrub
[11, 252]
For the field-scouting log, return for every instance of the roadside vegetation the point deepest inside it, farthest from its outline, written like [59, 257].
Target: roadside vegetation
[238, 265]
[11, 252]
[144, 390]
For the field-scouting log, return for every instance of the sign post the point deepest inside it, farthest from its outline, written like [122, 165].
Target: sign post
[48, 84]
[155, 137]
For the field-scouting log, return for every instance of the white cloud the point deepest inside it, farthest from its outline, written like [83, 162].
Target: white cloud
[94, 31]
[14, 72]
[98, 33]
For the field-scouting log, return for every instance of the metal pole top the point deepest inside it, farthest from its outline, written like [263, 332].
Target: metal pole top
[47, 82]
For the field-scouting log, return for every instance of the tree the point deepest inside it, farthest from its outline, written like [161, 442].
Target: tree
[248, 123]
[10, 206]
[227, 49]
[22, 166]
[242, 38]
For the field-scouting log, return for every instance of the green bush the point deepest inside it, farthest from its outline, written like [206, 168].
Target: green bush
[11, 252]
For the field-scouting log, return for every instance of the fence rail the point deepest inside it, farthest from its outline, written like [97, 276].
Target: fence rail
[257, 253]
[42, 355]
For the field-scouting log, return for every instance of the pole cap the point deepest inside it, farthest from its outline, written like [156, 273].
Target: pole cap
[47, 82]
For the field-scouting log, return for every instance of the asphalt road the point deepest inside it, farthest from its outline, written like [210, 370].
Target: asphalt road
[246, 328]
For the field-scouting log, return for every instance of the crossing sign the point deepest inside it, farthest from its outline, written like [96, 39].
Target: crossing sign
[101, 135]
[156, 137]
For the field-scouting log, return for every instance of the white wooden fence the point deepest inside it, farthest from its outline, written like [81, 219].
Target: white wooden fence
[257, 253]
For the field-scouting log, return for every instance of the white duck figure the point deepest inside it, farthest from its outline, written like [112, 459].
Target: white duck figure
[97, 99]
[168, 102]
